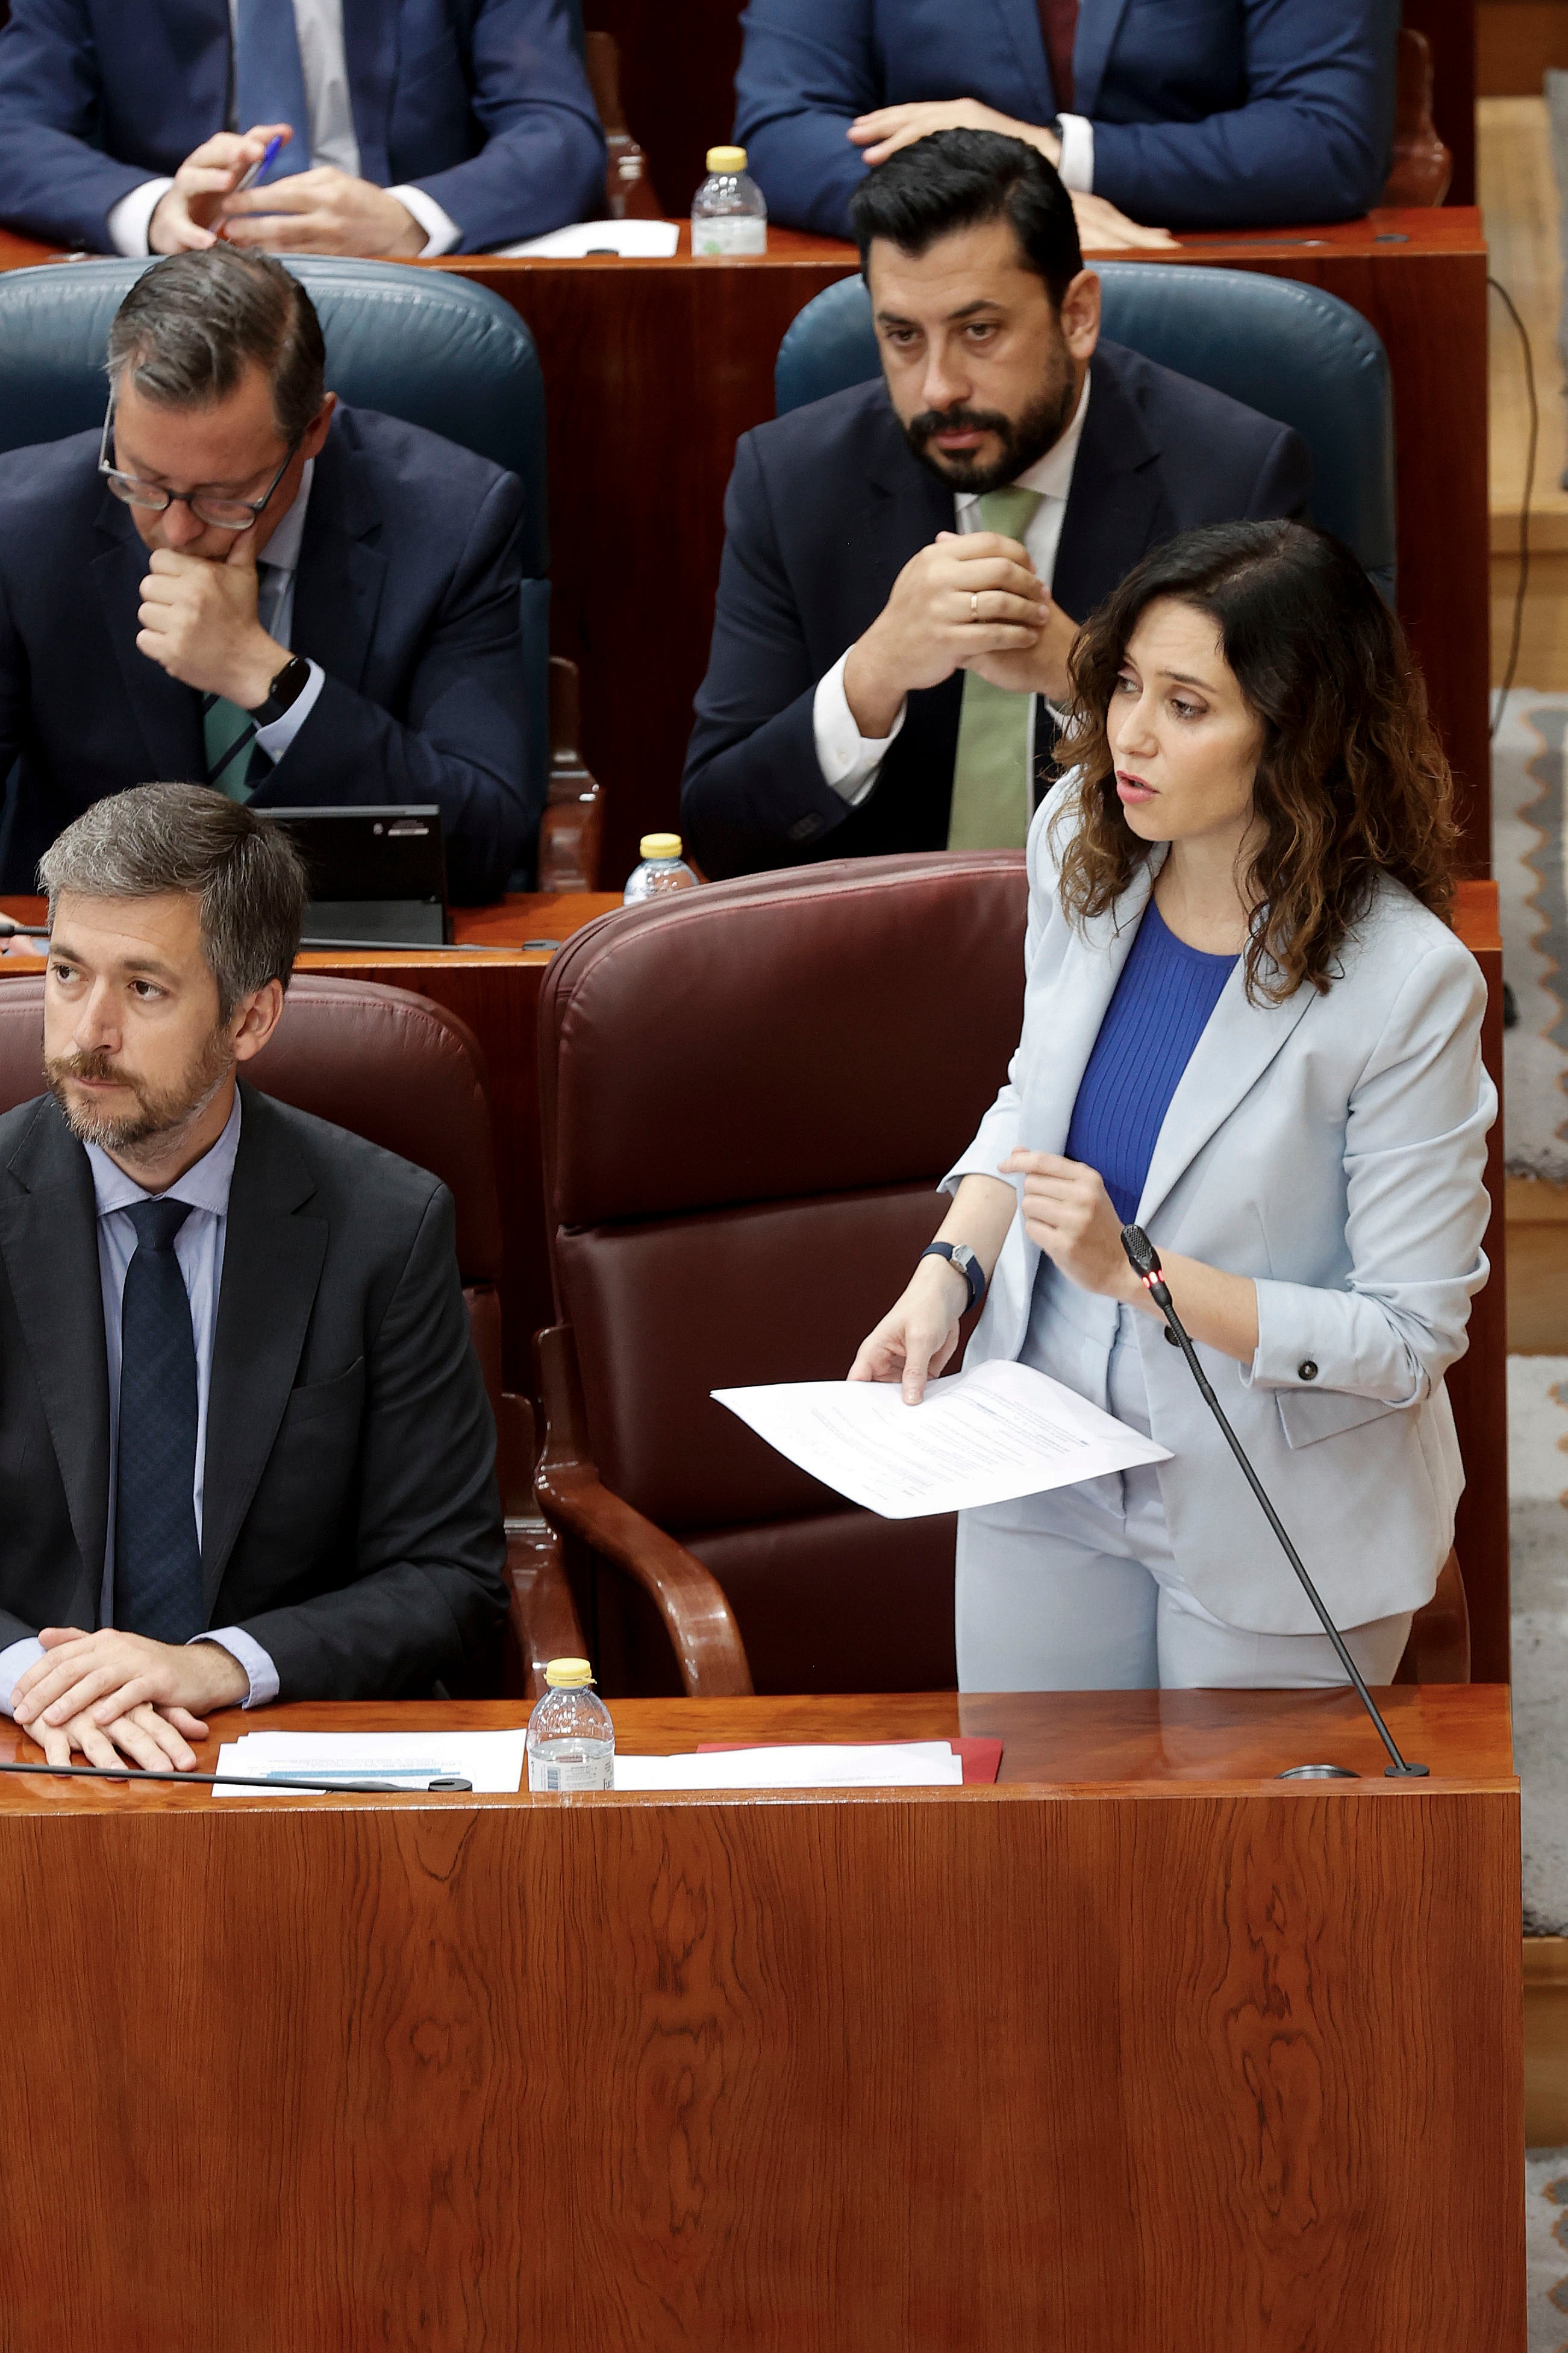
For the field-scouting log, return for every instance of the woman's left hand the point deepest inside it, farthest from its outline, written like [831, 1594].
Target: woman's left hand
[1068, 1212]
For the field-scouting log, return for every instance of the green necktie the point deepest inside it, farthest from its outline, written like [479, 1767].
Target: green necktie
[991, 796]
[226, 731]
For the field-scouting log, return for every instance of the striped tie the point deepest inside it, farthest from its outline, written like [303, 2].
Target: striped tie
[991, 797]
[227, 731]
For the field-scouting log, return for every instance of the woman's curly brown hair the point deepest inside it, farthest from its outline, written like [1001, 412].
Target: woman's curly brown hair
[1351, 781]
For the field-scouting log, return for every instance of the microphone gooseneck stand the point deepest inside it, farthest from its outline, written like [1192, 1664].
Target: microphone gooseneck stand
[299, 1785]
[1144, 1260]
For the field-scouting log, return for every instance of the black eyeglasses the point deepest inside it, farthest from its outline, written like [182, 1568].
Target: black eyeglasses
[224, 514]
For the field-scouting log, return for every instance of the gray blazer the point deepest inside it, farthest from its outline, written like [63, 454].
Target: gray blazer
[351, 1523]
[1334, 1149]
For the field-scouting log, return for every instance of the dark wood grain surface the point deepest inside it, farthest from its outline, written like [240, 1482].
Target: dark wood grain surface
[1201, 2063]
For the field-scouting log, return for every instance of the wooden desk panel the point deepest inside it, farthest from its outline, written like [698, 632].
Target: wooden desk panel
[653, 369]
[1219, 2064]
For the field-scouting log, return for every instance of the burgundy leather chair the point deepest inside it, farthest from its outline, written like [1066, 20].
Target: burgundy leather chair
[747, 1095]
[409, 1076]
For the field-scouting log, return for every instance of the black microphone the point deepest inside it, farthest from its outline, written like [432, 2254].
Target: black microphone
[1144, 1260]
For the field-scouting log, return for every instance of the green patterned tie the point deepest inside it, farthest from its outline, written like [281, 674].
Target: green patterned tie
[991, 792]
[226, 731]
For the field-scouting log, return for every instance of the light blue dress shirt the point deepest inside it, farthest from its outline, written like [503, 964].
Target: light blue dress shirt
[198, 1248]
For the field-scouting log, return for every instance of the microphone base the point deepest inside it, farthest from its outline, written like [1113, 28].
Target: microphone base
[1320, 1773]
[1406, 1772]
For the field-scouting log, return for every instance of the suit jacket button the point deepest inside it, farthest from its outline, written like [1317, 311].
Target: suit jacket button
[1306, 1370]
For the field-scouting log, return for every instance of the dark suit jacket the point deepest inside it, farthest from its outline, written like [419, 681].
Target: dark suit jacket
[407, 594]
[1205, 112]
[351, 1521]
[825, 507]
[482, 103]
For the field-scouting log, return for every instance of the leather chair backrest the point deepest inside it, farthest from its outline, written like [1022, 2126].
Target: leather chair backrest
[1290, 351]
[747, 1096]
[391, 1066]
[422, 344]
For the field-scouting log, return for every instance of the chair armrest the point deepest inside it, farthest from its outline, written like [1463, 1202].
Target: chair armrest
[572, 828]
[542, 1621]
[689, 1600]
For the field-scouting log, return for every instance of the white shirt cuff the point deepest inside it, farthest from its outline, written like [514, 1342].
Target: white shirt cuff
[276, 737]
[442, 234]
[849, 761]
[132, 217]
[243, 1647]
[14, 1660]
[1077, 166]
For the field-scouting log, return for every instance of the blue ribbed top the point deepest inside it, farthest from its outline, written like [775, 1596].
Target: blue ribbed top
[1160, 1010]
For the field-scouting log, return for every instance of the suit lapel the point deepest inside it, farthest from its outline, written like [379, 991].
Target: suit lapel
[1021, 20]
[1117, 506]
[167, 713]
[49, 1239]
[1233, 1054]
[338, 587]
[1090, 968]
[1096, 37]
[272, 1262]
[370, 50]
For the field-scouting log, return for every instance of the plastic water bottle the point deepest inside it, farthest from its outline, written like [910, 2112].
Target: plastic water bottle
[663, 869]
[571, 1740]
[727, 214]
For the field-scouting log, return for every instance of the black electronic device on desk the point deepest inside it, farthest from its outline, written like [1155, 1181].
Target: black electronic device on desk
[378, 876]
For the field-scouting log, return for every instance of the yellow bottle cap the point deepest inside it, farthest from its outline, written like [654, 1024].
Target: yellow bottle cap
[726, 159]
[660, 844]
[568, 1674]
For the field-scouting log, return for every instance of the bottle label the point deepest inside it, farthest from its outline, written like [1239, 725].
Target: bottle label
[593, 1775]
[740, 233]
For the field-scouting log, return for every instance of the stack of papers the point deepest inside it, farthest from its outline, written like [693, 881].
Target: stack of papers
[984, 1436]
[493, 1761]
[634, 241]
[898, 1764]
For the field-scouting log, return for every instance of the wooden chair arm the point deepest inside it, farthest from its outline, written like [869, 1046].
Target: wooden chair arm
[689, 1600]
[572, 829]
[542, 1617]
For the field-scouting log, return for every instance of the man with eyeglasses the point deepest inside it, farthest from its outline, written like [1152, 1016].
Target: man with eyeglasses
[244, 583]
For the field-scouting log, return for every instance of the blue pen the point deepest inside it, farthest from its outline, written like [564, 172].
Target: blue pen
[260, 171]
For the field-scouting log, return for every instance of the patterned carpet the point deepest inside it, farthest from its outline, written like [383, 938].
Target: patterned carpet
[1546, 2248]
[1538, 1534]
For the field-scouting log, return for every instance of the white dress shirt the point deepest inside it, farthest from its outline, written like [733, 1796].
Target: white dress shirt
[1075, 169]
[319, 24]
[851, 762]
[199, 1250]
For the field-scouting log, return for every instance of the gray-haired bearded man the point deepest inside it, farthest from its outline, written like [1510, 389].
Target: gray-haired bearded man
[244, 1448]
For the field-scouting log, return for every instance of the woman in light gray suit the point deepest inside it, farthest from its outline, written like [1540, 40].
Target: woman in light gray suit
[1247, 1027]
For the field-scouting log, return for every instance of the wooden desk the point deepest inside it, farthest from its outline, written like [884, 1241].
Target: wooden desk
[652, 369]
[1141, 2047]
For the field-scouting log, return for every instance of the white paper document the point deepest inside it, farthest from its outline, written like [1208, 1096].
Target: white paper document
[634, 241]
[984, 1436]
[906, 1765]
[493, 1761]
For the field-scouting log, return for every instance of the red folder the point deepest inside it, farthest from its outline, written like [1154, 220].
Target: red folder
[982, 1758]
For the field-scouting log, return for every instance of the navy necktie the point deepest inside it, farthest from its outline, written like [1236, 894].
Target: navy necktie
[269, 79]
[157, 1558]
